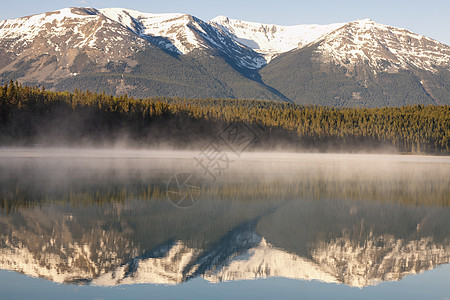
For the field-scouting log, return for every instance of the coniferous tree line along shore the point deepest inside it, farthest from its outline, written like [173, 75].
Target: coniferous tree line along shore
[35, 116]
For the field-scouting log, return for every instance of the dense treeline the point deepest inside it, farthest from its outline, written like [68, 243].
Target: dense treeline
[33, 115]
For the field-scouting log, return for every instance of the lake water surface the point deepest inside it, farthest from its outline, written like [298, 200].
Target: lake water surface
[116, 224]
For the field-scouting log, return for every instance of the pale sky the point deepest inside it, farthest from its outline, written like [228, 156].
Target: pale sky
[426, 17]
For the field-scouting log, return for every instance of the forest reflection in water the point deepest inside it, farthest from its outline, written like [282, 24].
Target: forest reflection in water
[103, 218]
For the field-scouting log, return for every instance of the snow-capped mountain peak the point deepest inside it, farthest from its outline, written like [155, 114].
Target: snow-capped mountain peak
[250, 44]
[182, 33]
[27, 28]
[58, 48]
[172, 26]
[174, 32]
[383, 48]
[270, 39]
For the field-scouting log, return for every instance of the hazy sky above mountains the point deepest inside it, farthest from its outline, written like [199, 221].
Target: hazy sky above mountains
[430, 18]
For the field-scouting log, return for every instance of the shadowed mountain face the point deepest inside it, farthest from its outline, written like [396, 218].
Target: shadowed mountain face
[106, 221]
[303, 76]
[360, 63]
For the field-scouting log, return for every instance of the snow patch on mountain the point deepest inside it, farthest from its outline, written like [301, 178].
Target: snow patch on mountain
[173, 27]
[383, 48]
[65, 31]
[270, 39]
[27, 28]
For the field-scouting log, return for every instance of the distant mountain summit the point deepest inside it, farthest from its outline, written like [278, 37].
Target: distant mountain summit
[360, 63]
[271, 40]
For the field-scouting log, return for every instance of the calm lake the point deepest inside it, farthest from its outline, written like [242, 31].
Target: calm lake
[123, 224]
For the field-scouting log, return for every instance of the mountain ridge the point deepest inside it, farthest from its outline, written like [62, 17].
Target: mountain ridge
[178, 55]
[336, 262]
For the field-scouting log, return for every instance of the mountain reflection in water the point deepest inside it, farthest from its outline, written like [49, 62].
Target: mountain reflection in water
[101, 220]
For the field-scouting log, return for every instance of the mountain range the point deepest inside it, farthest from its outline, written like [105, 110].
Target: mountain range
[74, 248]
[118, 51]
[339, 262]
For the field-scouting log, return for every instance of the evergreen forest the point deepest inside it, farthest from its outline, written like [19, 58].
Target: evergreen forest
[35, 116]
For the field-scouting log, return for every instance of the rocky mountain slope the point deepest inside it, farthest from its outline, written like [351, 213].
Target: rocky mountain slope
[360, 63]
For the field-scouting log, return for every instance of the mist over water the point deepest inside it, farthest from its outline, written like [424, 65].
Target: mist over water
[421, 178]
[105, 217]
